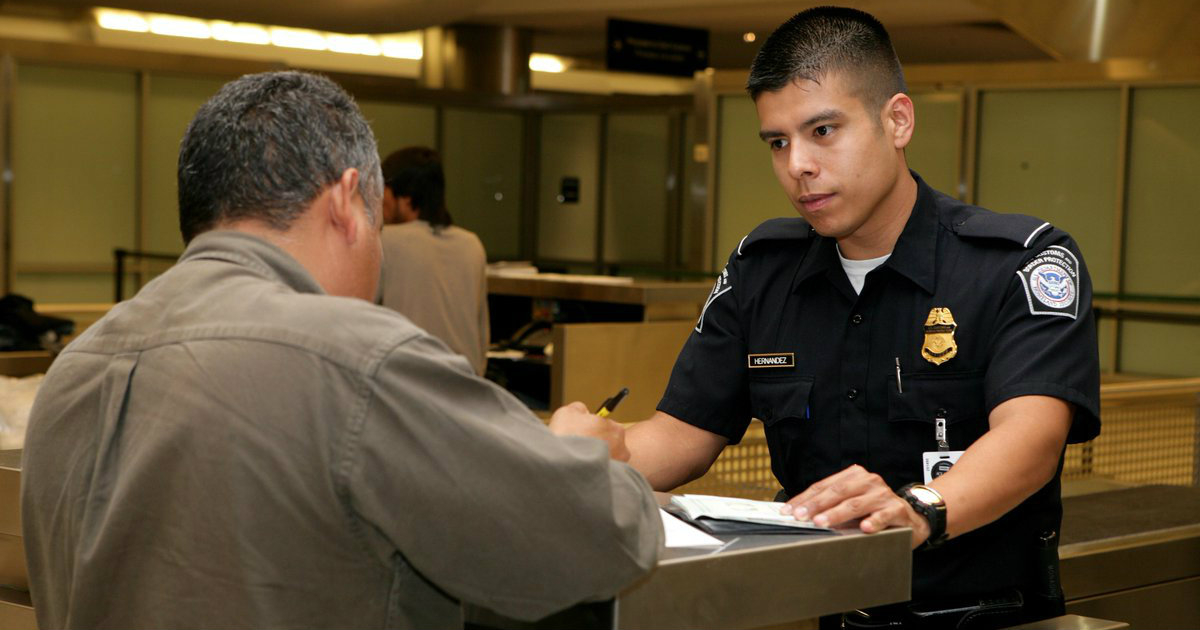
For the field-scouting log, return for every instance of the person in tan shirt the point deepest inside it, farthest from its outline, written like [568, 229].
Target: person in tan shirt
[434, 272]
[249, 442]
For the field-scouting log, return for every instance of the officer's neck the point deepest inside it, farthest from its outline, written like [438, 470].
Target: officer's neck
[877, 235]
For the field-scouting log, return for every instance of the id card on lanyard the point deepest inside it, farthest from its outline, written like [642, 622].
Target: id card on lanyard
[934, 464]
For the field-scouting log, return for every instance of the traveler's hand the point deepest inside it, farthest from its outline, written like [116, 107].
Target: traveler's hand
[575, 419]
[856, 493]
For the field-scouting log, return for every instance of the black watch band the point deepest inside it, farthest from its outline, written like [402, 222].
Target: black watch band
[929, 504]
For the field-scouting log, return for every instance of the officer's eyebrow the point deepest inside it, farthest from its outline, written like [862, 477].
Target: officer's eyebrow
[823, 116]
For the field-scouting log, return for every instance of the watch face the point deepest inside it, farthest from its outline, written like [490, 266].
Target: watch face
[925, 495]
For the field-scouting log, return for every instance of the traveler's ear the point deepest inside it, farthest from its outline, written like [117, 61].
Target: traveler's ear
[343, 215]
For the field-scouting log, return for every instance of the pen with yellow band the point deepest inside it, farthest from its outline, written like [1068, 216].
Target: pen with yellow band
[610, 404]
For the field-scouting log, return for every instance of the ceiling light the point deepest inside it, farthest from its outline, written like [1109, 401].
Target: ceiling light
[122, 21]
[402, 48]
[240, 33]
[749, 36]
[297, 38]
[546, 63]
[179, 27]
[353, 44]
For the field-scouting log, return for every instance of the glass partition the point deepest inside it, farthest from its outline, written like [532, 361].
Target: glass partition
[637, 148]
[483, 156]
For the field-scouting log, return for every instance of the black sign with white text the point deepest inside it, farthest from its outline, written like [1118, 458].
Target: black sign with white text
[656, 48]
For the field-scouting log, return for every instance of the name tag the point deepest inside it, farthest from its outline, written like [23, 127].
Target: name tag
[773, 360]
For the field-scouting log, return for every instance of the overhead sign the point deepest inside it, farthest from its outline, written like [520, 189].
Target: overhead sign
[656, 48]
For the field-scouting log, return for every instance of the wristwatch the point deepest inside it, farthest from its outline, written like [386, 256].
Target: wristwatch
[928, 503]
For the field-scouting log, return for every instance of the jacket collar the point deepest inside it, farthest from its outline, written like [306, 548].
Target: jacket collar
[252, 252]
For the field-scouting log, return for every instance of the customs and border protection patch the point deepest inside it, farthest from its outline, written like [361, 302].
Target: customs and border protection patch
[1051, 281]
[939, 345]
[721, 287]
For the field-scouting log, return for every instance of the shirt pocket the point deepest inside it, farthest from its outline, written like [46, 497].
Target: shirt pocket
[774, 400]
[958, 397]
[783, 406]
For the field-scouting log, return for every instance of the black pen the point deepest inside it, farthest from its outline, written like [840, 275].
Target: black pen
[608, 405]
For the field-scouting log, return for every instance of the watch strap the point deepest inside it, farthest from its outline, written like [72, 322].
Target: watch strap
[934, 513]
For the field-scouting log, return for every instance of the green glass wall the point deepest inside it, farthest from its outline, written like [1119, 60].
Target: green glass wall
[172, 103]
[74, 187]
[1053, 154]
[1162, 238]
[635, 188]
[570, 147]
[482, 156]
[934, 151]
[746, 188]
[399, 125]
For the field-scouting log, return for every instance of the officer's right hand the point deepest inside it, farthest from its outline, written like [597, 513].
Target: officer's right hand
[575, 419]
[856, 493]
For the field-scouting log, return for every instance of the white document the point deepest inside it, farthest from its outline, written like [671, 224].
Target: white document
[734, 509]
[680, 534]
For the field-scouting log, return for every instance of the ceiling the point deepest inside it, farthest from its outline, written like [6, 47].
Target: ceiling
[923, 31]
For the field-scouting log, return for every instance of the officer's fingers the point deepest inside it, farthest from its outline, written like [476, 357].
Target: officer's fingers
[892, 512]
[805, 503]
[850, 496]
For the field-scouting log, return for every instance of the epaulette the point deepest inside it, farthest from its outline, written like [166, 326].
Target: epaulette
[782, 229]
[1021, 229]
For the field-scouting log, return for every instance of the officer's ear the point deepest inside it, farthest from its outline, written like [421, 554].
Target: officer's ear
[898, 119]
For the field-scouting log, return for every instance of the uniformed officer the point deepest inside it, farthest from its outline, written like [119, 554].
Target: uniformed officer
[892, 336]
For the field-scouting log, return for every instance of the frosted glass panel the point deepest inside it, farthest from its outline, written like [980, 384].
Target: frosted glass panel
[1161, 252]
[747, 191]
[481, 153]
[1160, 349]
[172, 105]
[569, 149]
[933, 150]
[74, 174]
[398, 125]
[1053, 154]
[635, 188]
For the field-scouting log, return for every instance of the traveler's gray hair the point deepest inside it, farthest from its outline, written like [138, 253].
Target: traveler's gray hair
[266, 145]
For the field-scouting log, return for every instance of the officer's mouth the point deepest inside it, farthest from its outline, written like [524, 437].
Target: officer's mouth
[814, 203]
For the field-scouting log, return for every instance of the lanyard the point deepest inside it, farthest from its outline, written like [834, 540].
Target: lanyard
[939, 430]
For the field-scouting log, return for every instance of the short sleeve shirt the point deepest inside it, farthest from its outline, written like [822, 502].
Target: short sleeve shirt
[973, 308]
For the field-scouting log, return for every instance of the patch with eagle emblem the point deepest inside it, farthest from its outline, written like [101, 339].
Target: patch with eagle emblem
[1051, 281]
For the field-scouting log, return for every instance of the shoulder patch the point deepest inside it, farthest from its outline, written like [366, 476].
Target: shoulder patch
[721, 287]
[782, 229]
[1051, 282]
[1017, 228]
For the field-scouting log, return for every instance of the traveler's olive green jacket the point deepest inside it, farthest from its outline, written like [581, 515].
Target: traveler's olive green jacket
[234, 448]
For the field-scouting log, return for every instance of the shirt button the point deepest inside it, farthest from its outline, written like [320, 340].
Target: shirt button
[857, 319]
[852, 393]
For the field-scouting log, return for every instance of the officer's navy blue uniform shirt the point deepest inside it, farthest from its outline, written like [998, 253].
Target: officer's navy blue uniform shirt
[824, 381]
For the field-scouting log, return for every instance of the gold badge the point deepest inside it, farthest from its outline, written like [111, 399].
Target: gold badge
[939, 336]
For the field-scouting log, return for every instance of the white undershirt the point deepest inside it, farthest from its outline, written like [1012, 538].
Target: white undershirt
[857, 270]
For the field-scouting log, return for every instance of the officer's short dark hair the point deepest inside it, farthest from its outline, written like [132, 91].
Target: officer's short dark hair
[265, 145]
[416, 173]
[822, 40]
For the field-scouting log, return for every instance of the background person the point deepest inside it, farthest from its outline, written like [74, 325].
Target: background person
[434, 272]
[249, 442]
[887, 307]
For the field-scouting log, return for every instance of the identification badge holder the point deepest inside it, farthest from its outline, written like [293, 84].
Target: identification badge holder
[935, 463]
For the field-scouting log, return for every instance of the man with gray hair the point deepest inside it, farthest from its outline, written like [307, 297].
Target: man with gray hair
[249, 442]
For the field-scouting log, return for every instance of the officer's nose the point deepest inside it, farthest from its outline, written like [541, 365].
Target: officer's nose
[801, 164]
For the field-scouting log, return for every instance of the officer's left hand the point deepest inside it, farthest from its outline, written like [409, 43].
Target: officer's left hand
[856, 493]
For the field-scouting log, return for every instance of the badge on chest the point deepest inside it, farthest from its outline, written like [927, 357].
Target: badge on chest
[939, 346]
